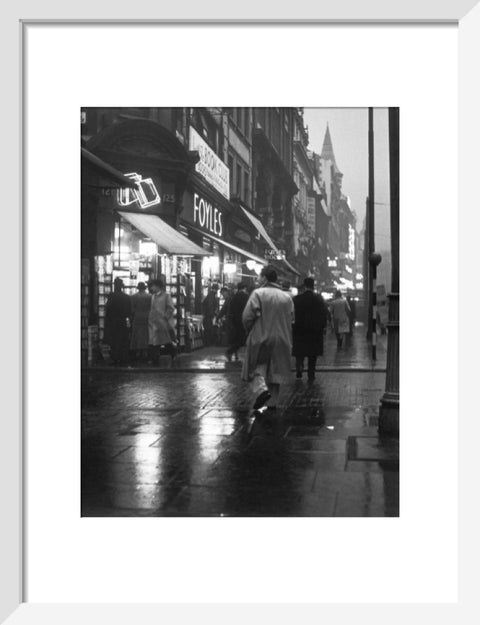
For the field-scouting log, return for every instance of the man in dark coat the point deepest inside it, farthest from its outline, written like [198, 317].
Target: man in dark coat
[310, 321]
[118, 313]
[210, 306]
[236, 331]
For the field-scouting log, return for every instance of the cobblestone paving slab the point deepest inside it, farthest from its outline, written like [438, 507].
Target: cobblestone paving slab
[188, 445]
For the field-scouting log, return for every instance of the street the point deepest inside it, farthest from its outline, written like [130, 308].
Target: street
[184, 443]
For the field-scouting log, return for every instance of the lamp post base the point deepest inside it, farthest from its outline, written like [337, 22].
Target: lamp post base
[388, 417]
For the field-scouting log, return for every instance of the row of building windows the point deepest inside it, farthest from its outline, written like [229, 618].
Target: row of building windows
[239, 180]
[241, 117]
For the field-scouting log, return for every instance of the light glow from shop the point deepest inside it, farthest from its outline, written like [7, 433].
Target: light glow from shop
[210, 265]
[348, 284]
[351, 242]
[230, 268]
[147, 248]
[254, 266]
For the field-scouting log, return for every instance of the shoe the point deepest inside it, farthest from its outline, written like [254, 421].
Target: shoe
[311, 380]
[299, 375]
[261, 400]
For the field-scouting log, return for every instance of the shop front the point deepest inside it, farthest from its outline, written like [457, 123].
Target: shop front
[129, 229]
[218, 226]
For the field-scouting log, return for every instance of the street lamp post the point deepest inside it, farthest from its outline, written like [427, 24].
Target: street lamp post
[388, 422]
[370, 216]
[374, 260]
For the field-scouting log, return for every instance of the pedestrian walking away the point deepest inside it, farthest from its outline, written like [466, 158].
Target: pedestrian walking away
[267, 318]
[160, 321]
[117, 323]
[310, 321]
[352, 314]
[223, 317]
[210, 306]
[340, 316]
[236, 332]
[141, 303]
[286, 286]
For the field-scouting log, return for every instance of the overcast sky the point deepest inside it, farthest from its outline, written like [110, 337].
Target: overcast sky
[349, 133]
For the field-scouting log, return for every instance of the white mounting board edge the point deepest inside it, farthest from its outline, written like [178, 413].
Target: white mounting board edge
[15, 18]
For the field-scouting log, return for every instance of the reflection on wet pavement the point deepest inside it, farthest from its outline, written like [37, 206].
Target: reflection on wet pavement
[188, 445]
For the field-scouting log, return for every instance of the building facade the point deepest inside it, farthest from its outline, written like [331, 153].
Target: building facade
[342, 236]
[172, 193]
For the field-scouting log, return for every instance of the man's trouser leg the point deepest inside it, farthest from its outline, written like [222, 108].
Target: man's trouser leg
[274, 390]
[258, 384]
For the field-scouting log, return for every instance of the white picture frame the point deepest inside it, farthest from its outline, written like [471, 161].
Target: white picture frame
[14, 20]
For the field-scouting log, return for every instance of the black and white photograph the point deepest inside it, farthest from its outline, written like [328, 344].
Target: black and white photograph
[239, 312]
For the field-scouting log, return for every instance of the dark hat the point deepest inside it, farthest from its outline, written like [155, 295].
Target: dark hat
[269, 273]
[141, 286]
[156, 282]
[241, 285]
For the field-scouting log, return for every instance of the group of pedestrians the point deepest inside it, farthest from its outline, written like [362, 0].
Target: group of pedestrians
[270, 322]
[140, 324]
[225, 319]
[280, 326]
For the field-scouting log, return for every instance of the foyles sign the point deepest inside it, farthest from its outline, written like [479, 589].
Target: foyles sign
[210, 166]
[207, 215]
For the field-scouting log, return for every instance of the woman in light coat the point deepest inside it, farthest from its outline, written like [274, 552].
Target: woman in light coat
[268, 317]
[340, 311]
[159, 321]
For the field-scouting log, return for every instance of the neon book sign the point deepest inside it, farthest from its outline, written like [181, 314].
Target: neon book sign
[145, 194]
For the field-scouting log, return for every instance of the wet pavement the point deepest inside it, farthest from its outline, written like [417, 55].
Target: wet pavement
[355, 354]
[167, 443]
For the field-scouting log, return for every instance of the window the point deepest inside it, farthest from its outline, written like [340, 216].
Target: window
[178, 119]
[246, 190]
[239, 117]
[246, 121]
[239, 181]
[275, 136]
[230, 167]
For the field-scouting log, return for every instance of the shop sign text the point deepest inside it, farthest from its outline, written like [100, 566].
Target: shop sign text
[275, 254]
[212, 168]
[207, 215]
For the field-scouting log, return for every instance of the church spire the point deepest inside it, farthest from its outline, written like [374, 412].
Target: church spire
[327, 149]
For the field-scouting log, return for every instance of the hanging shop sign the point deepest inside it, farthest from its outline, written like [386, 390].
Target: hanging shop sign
[270, 254]
[144, 195]
[351, 242]
[212, 168]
